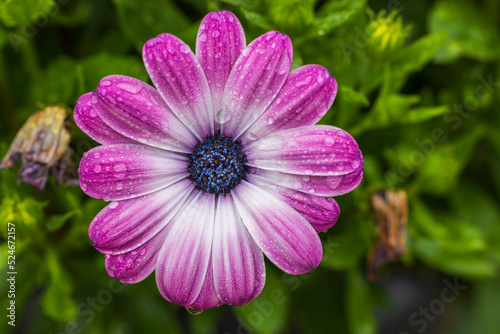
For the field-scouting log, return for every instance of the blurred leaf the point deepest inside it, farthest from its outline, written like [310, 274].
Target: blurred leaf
[469, 31]
[324, 25]
[291, 16]
[97, 67]
[268, 313]
[248, 4]
[359, 304]
[58, 84]
[422, 114]
[443, 164]
[56, 221]
[23, 12]
[143, 20]
[56, 300]
[343, 250]
[257, 19]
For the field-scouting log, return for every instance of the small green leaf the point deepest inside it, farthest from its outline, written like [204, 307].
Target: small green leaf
[324, 25]
[56, 221]
[247, 4]
[422, 114]
[23, 12]
[257, 19]
[56, 300]
[359, 304]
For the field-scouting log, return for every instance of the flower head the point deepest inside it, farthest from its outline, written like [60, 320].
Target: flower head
[217, 166]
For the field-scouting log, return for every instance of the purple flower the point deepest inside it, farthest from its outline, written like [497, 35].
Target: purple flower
[218, 166]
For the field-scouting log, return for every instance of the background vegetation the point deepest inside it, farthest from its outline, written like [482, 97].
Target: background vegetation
[419, 88]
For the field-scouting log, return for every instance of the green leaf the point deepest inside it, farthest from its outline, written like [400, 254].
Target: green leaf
[470, 32]
[422, 114]
[247, 4]
[56, 300]
[143, 20]
[56, 221]
[267, 314]
[23, 12]
[97, 67]
[324, 25]
[343, 250]
[58, 84]
[257, 19]
[359, 304]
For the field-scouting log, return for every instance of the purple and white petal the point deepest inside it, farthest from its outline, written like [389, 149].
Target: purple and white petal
[218, 44]
[239, 269]
[311, 150]
[123, 171]
[334, 185]
[254, 81]
[137, 111]
[208, 297]
[285, 237]
[125, 225]
[89, 122]
[178, 76]
[182, 265]
[305, 98]
[321, 212]
[136, 265]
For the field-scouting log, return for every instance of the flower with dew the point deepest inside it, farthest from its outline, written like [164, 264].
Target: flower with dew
[218, 165]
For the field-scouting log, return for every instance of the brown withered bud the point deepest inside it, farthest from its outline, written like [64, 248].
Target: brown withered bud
[390, 210]
[41, 146]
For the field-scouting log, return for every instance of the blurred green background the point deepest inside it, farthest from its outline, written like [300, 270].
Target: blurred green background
[419, 89]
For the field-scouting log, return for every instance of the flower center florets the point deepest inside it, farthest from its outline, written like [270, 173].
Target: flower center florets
[217, 164]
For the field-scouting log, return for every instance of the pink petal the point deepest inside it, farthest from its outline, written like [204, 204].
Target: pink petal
[334, 185]
[284, 236]
[126, 225]
[254, 81]
[305, 98]
[239, 267]
[178, 76]
[182, 265]
[122, 171]
[321, 212]
[218, 44]
[136, 265]
[207, 298]
[137, 111]
[311, 150]
[89, 122]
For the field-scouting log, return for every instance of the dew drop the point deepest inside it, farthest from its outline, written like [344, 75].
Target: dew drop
[218, 55]
[184, 48]
[120, 167]
[97, 168]
[131, 88]
[306, 178]
[216, 33]
[355, 163]
[222, 116]
[270, 120]
[119, 186]
[329, 141]
[113, 205]
[252, 136]
[105, 83]
[203, 37]
[308, 172]
[246, 51]
[193, 312]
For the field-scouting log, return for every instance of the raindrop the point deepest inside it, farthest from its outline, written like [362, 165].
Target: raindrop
[203, 37]
[193, 312]
[113, 205]
[308, 172]
[97, 168]
[222, 116]
[119, 186]
[131, 88]
[306, 178]
[184, 48]
[216, 33]
[105, 83]
[252, 136]
[355, 163]
[270, 120]
[329, 141]
[120, 167]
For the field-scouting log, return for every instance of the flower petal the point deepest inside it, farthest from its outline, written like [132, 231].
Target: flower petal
[239, 267]
[89, 122]
[122, 171]
[136, 265]
[321, 212]
[254, 81]
[124, 226]
[305, 98]
[310, 150]
[178, 76]
[334, 185]
[286, 238]
[182, 265]
[208, 297]
[137, 111]
[218, 44]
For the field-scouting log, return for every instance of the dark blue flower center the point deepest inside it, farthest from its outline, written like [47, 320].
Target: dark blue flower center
[217, 164]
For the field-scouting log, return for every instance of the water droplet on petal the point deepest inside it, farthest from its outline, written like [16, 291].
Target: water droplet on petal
[193, 312]
[129, 87]
[105, 83]
[270, 120]
[329, 141]
[97, 168]
[216, 33]
[184, 48]
[113, 205]
[252, 136]
[203, 36]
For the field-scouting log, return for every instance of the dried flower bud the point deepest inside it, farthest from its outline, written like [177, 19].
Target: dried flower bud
[41, 145]
[390, 210]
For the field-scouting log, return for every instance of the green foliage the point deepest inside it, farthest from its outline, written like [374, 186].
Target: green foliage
[418, 87]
